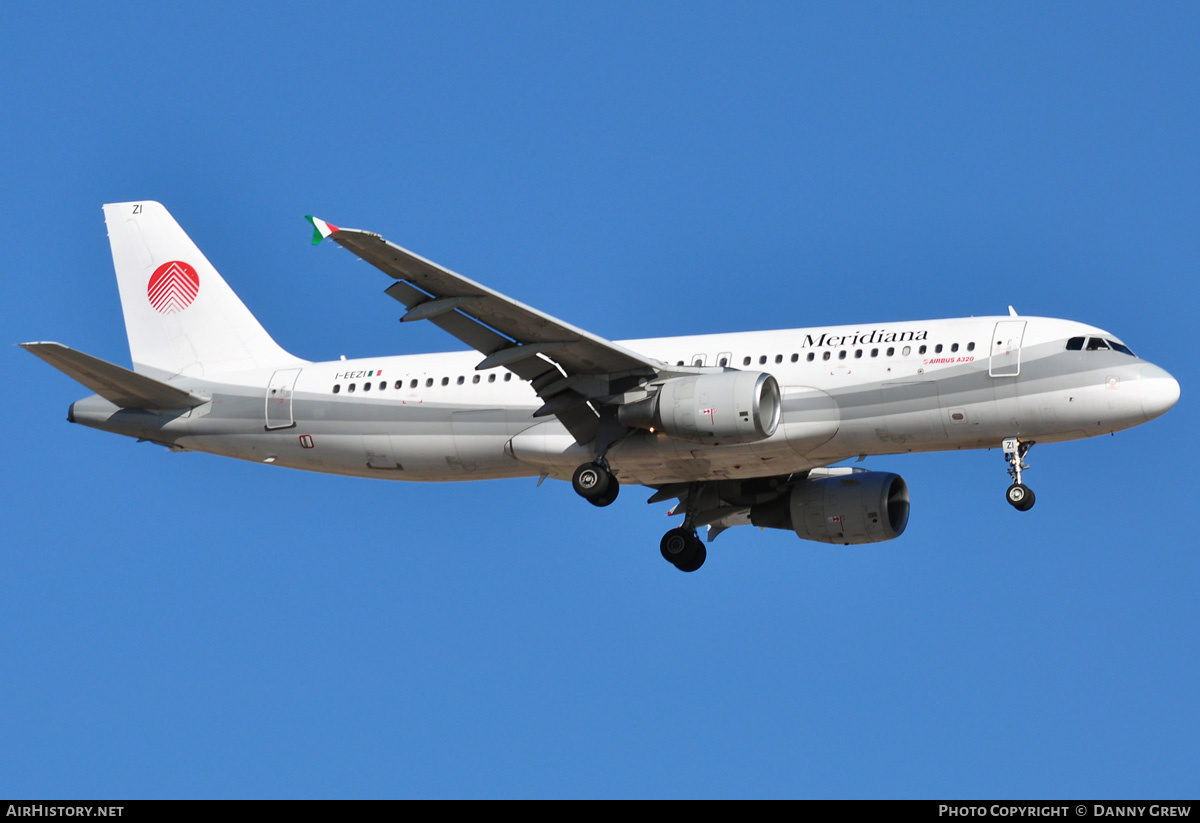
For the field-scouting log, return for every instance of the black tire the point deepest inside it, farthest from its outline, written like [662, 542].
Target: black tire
[610, 494]
[1020, 497]
[678, 546]
[591, 481]
[699, 555]
[1030, 499]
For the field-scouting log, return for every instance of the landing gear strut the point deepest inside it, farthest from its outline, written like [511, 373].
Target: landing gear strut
[1018, 495]
[683, 549]
[595, 484]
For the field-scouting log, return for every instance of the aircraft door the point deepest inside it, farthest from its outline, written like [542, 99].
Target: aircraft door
[1006, 348]
[914, 412]
[279, 399]
[479, 438]
[379, 452]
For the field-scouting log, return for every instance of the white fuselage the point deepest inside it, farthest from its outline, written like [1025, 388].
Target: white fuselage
[846, 391]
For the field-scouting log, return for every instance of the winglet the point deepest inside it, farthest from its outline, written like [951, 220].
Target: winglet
[321, 229]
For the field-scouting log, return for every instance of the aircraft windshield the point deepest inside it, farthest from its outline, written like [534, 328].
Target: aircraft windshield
[1097, 344]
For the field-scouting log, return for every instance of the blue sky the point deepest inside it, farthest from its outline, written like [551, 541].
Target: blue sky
[187, 626]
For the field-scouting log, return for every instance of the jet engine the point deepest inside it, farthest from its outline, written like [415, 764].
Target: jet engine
[730, 407]
[848, 508]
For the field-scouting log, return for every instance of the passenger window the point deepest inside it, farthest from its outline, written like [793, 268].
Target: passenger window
[399, 384]
[891, 350]
[826, 355]
[970, 347]
[1075, 344]
[383, 384]
[460, 380]
[366, 386]
[874, 352]
[350, 388]
[907, 351]
[745, 361]
[762, 361]
[922, 350]
[811, 357]
[428, 382]
[337, 387]
[779, 358]
[474, 378]
[723, 362]
[507, 376]
[954, 347]
[492, 377]
[413, 384]
[445, 381]
[937, 349]
[842, 354]
[857, 354]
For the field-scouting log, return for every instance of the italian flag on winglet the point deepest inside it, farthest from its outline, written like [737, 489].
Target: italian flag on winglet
[321, 229]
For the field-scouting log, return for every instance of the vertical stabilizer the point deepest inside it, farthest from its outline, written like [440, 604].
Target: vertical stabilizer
[180, 315]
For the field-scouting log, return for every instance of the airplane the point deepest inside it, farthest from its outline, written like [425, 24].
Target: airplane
[739, 429]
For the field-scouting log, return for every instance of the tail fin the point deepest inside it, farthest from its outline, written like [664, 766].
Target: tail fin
[180, 315]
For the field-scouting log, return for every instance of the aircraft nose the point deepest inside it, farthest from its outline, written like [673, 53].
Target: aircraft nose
[1159, 391]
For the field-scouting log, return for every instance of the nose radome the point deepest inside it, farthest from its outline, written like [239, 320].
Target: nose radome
[1159, 391]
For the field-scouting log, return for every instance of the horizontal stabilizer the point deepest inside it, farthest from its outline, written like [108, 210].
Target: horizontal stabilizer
[118, 385]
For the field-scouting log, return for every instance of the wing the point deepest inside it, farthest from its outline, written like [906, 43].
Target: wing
[572, 370]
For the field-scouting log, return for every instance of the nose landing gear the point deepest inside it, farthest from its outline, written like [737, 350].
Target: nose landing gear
[1019, 495]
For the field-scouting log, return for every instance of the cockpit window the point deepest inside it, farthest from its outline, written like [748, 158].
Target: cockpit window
[1097, 344]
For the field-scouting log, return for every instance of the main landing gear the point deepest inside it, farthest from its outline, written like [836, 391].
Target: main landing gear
[1019, 495]
[595, 483]
[683, 549]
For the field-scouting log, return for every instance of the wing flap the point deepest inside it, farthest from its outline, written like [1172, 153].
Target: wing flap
[116, 384]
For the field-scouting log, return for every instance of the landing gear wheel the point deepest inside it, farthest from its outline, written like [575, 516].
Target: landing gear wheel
[1020, 496]
[698, 558]
[675, 545]
[591, 482]
[683, 549]
[610, 494]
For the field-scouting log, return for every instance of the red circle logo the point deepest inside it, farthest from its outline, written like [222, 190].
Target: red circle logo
[173, 287]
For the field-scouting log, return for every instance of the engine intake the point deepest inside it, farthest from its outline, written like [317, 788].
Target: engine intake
[856, 507]
[730, 407]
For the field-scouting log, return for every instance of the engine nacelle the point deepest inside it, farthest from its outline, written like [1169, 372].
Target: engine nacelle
[855, 507]
[730, 407]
